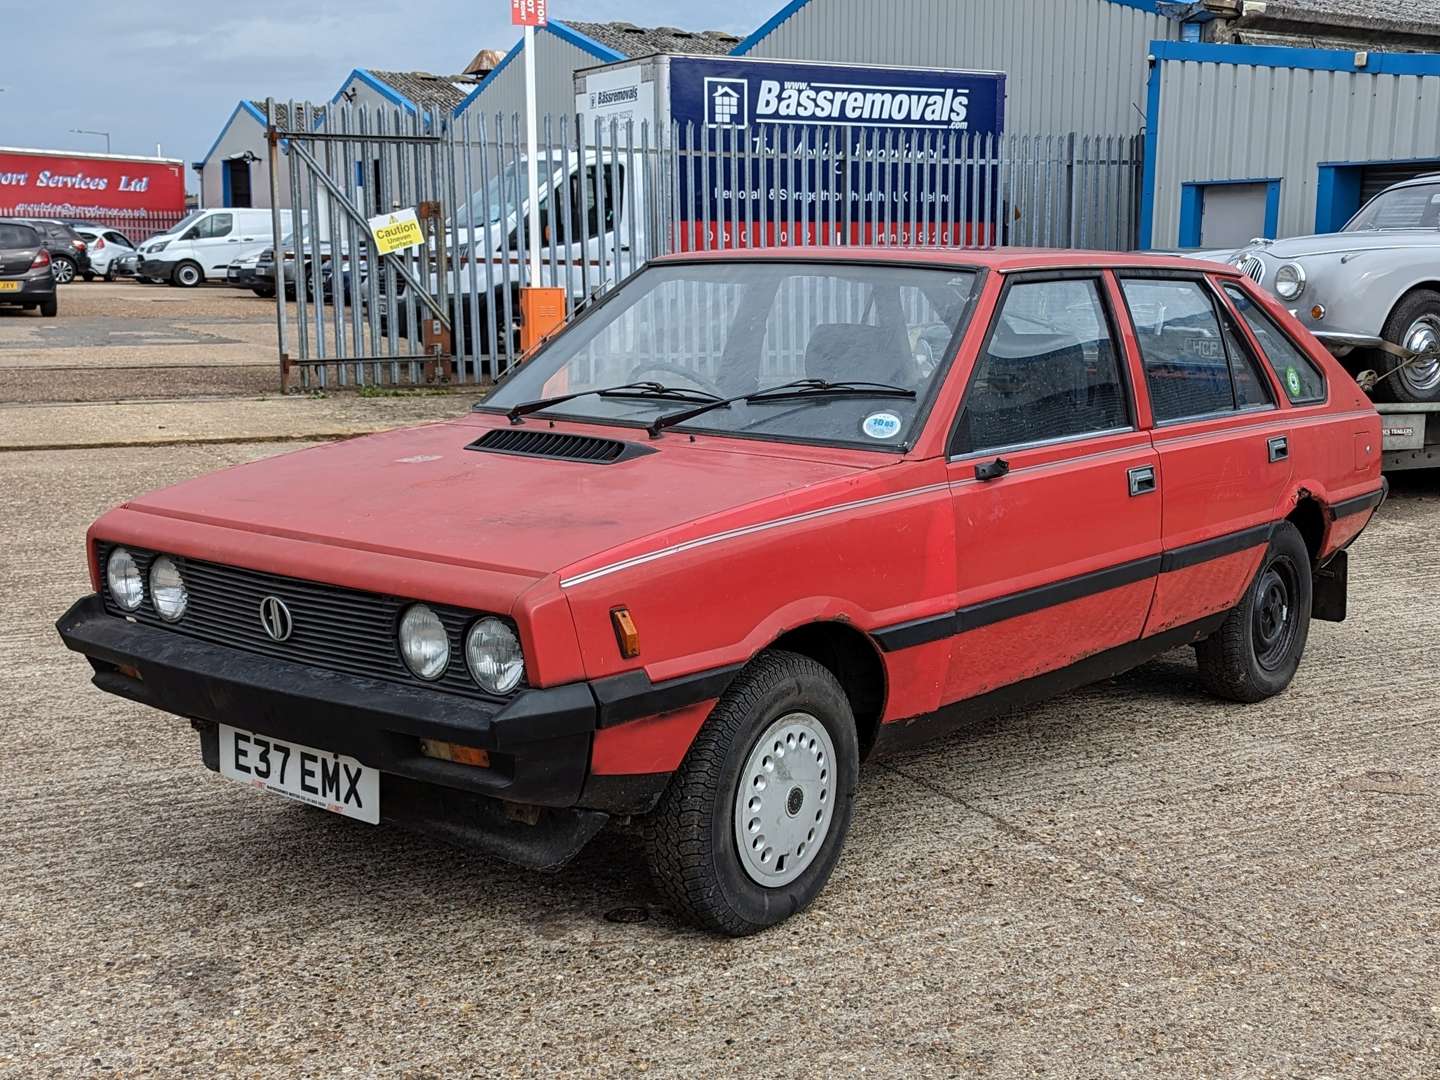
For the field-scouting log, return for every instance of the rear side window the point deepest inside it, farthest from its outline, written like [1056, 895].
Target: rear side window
[1196, 364]
[1049, 371]
[18, 236]
[1303, 381]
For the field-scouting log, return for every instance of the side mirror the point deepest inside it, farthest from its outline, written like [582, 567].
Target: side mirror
[193, 234]
[991, 470]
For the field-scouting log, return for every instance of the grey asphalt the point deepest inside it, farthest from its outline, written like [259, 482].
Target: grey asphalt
[1133, 880]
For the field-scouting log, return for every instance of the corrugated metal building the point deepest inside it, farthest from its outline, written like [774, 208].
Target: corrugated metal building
[1267, 141]
[417, 93]
[1073, 65]
[235, 171]
[563, 47]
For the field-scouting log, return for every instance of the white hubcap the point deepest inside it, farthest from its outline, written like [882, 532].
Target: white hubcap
[785, 800]
[1423, 337]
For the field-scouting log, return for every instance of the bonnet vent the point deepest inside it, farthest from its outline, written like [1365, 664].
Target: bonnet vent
[527, 442]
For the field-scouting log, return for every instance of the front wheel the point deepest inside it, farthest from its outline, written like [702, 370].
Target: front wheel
[1256, 651]
[752, 824]
[1415, 324]
[187, 275]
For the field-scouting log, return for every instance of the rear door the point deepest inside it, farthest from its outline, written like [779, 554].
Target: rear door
[1223, 444]
[1053, 488]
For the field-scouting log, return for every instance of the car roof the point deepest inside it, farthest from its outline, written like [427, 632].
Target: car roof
[1004, 260]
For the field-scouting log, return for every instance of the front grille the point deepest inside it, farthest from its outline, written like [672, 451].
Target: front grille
[1252, 267]
[337, 629]
[555, 444]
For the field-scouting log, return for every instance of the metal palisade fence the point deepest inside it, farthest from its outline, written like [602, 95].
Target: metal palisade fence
[612, 197]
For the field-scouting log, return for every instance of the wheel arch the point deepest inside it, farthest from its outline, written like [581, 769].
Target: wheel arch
[852, 656]
[1309, 518]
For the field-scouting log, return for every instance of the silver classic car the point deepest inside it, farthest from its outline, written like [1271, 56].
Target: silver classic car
[1370, 292]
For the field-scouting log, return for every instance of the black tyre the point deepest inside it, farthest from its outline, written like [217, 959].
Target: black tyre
[109, 275]
[50, 308]
[263, 293]
[1255, 653]
[1415, 323]
[88, 275]
[187, 275]
[752, 824]
[62, 268]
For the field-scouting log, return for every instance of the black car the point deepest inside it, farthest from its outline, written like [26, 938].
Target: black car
[68, 252]
[25, 269]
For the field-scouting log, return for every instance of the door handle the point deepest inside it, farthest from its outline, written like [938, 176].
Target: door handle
[1142, 480]
[1279, 448]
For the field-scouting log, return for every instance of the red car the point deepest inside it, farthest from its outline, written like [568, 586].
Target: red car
[743, 523]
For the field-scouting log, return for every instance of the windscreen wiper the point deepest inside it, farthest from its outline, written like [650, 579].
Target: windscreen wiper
[648, 390]
[799, 390]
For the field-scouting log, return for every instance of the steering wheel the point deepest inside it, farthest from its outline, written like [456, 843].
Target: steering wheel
[675, 369]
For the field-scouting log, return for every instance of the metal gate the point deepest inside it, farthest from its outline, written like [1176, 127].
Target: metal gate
[611, 198]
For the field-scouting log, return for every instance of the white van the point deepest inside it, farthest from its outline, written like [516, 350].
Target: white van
[205, 243]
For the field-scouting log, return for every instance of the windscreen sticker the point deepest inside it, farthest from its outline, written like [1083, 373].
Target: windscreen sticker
[881, 425]
[1292, 381]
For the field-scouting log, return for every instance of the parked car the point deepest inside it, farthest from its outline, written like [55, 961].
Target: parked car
[204, 244]
[26, 276]
[68, 253]
[105, 247]
[1374, 282]
[240, 274]
[729, 532]
[126, 265]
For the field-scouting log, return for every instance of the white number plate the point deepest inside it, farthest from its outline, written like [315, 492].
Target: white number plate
[320, 778]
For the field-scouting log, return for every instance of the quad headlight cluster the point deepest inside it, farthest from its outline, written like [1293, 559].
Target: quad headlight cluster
[492, 650]
[127, 584]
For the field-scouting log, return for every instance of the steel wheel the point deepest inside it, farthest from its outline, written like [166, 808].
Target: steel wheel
[1274, 626]
[63, 271]
[784, 801]
[1422, 378]
[187, 275]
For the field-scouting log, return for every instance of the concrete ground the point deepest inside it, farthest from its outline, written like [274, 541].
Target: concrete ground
[1133, 880]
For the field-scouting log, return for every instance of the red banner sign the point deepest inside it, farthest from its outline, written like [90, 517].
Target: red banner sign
[42, 184]
[528, 12]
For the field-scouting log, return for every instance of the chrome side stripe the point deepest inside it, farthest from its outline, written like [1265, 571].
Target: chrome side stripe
[749, 530]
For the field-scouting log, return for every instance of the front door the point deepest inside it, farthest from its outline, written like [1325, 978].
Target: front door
[1224, 446]
[1054, 489]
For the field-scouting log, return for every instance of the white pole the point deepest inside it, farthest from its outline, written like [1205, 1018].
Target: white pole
[532, 165]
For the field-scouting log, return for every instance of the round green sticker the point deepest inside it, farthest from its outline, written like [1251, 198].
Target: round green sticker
[1292, 381]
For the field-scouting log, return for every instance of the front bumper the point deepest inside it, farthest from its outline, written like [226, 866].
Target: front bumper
[242, 277]
[155, 268]
[539, 740]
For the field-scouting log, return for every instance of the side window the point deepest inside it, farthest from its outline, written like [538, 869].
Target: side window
[584, 198]
[216, 226]
[1195, 364]
[1303, 381]
[1049, 371]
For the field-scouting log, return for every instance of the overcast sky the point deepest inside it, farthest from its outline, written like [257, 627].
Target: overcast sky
[170, 71]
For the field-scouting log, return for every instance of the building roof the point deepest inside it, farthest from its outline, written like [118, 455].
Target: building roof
[486, 61]
[630, 40]
[1412, 24]
[281, 112]
[426, 90]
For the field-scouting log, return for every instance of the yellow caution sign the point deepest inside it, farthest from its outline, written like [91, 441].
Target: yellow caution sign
[396, 231]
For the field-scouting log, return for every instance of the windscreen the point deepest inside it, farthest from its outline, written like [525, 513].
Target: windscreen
[725, 330]
[1416, 207]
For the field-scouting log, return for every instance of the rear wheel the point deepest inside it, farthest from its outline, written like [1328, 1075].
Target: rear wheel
[752, 824]
[50, 308]
[1256, 651]
[62, 268]
[1415, 324]
[187, 275]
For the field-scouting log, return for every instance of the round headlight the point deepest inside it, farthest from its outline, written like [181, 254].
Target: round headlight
[123, 575]
[1290, 281]
[424, 643]
[492, 652]
[167, 589]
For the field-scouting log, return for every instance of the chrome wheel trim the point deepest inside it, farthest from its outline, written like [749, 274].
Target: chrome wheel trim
[785, 799]
[1423, 336]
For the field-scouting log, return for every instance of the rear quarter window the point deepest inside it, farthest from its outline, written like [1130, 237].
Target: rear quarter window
[1303, 381]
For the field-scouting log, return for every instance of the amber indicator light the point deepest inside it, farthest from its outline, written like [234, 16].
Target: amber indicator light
[461, 755]
[625, 633]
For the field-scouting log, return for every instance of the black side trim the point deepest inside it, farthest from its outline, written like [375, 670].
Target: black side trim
[1216, 548]
[937, 627]
[631, 695]
[1076, 588]
[1360, 503]
[905, 734]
